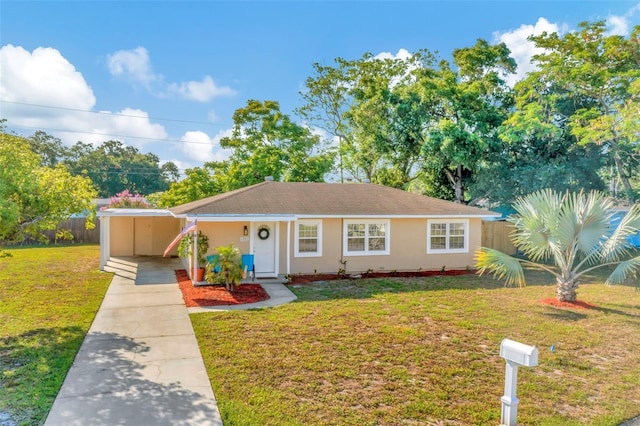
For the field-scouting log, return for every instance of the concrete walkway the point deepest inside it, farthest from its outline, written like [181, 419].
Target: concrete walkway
[140, 363]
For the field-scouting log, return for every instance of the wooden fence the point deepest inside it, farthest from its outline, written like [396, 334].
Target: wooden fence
[76, 226]
[80, 233]
[495, 234]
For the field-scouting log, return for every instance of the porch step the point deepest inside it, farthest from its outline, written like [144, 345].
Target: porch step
[123, 263]
[121, 268]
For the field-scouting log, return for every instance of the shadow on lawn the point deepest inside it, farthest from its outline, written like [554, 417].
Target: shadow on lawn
[572, 315]
[107, 385]
[616, 312]
[363, 288]
[33, 366]
[564, 314]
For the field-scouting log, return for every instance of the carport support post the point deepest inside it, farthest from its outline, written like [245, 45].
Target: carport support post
[510, 400]
[195, 257]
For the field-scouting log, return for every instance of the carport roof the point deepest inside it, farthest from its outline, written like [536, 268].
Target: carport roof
[325, 199]
[134, 212]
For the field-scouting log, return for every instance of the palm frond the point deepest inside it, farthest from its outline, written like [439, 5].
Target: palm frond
[617, 244]
[535, 223]
[501, 265]
[625, 269]
[593, 216]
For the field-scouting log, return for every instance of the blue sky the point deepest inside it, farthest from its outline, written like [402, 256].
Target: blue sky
[167, 76]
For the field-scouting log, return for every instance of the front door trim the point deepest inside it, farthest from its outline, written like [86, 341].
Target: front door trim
[275, 234]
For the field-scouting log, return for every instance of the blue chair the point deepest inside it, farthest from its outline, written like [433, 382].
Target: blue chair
[248, 267]
[211, 259]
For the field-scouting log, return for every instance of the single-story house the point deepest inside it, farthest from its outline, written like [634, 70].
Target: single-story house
[306, 228]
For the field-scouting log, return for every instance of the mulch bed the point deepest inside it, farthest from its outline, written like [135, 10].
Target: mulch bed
[306, 279]
[217, 295]
[578, 304]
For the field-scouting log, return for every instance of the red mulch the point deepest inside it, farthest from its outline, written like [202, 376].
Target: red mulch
[578, 304]
[216, 295]
[306, 279]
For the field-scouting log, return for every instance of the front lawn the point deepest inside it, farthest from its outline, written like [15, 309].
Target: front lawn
[424, 351]
[48, 299]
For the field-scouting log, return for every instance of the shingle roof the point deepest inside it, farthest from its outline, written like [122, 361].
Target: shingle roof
[324, 199]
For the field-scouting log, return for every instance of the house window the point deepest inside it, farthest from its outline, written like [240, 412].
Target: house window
[366, 237]
[447, 236]
[308, 238]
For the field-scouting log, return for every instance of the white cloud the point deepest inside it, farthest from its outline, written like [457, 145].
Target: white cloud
[620, 25]
[200, 91]
[522, 50]
[134, 123]
[402, 54]
[42, 77]
[197, 146]
[46, 92]
[135, 66]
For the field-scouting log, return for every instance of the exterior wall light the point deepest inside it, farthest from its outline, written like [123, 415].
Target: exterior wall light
[245, 231]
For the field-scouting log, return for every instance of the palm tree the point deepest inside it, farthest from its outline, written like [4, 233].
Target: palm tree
[228, 262]
[574, 231]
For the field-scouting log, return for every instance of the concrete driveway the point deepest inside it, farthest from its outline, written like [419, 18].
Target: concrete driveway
[140, 363]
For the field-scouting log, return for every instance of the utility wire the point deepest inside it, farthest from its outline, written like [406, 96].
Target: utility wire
[115, 114]
[124, 172]
[110, 135]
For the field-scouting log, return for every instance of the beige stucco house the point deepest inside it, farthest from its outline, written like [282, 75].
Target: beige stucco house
[307, 228]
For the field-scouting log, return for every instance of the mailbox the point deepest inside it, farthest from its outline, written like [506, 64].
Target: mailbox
[519, 353]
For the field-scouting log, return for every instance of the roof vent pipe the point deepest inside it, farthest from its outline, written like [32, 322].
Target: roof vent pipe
[268, 178]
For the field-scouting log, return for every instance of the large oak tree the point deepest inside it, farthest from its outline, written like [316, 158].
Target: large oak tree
[35, 198]
[599, 74]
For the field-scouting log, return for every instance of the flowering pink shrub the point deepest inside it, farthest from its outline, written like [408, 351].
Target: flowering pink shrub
[125, 200]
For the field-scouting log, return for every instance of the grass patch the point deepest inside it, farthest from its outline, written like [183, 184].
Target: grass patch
[49, 299]
[424, 351]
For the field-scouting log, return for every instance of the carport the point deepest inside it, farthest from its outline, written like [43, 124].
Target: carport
[136, 232]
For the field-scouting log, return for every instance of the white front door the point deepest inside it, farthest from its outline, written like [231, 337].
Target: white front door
[264, 248]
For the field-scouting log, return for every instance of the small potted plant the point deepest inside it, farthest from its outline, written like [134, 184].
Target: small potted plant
[186, 246]
[228, 263]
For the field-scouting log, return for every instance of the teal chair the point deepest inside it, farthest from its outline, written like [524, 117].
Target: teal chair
[248, 266]
[211, 259]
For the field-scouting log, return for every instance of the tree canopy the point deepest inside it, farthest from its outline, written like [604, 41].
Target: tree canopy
[587, 86]
[264, 142]
[451, 129]
[35, 198]
[115, 167]
[405, 119]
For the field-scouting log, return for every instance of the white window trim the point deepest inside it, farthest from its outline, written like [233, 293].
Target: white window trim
[316, 222]
[465, 222]
[366, 252]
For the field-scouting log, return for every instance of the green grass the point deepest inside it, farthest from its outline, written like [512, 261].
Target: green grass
[424, 351]
[48, 299]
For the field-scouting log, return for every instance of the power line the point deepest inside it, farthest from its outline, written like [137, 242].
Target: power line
[111, 135]
[123, 172]
[115, 114]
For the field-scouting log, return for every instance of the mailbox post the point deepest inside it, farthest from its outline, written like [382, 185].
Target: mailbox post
[516, 354]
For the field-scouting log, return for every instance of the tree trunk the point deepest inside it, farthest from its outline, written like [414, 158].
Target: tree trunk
[566, 290]
[623, 176]
[456, 183]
